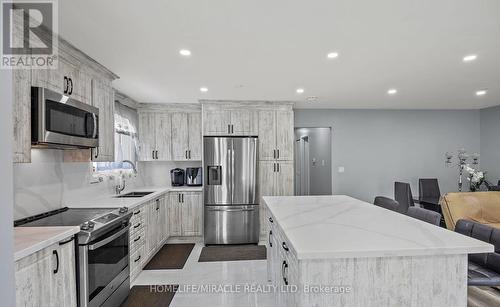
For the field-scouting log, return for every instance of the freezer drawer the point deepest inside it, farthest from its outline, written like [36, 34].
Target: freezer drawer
[232, 224]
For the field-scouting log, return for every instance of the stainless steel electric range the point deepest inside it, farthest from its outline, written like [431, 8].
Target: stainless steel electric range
[102, 251]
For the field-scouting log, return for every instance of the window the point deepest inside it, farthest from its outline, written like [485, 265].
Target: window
[126, 141]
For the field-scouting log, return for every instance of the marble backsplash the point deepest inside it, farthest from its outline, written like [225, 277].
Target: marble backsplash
[47, 183]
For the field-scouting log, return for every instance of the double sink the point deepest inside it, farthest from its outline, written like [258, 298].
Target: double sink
[134, 195]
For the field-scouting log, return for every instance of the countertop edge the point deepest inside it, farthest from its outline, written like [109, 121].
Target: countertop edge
[65, 232]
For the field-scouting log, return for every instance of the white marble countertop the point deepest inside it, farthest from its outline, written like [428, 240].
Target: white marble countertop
[111, 201]
[29, 240]
[322, 227]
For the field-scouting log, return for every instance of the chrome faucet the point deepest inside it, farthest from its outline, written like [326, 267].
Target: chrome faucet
[121, 186]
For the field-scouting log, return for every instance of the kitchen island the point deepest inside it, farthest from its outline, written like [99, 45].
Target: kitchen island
[340, 251]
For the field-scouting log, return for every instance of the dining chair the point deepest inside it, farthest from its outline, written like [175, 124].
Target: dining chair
[387, 203]
[428, 188]
[425, 215]
[402, 194]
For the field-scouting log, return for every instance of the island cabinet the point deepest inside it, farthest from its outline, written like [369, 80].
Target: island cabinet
[340, 251]
[186, 136]
[185, 214]
[47, 277]
[227, 120]
[155, 136]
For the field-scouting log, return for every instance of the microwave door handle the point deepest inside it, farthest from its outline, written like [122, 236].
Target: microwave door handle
[108, 239]
[94, 134]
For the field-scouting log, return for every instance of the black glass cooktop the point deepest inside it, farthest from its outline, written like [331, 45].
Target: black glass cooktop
[62, 217]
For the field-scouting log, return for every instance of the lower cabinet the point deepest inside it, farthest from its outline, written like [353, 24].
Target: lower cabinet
[185, 214]
[156, 227]
[47, 277]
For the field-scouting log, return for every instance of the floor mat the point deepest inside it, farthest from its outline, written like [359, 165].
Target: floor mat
[150, 296]
[170, 256]
[232, 253]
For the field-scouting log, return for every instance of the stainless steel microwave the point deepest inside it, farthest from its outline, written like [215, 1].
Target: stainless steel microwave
[59, 121]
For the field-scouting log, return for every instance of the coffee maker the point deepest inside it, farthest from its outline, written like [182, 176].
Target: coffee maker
[177, 177]
[193, 176]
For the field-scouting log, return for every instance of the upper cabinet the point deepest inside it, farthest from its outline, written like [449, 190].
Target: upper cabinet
[103, 98]
[155, 136]
[276, 135]
[227, 120]
[186, 136]
[170, 132]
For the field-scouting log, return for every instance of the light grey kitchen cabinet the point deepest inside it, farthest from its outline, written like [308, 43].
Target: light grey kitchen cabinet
[185, 214]
[70, 78]
[163, 124]
[47, 277]
[174, 215]
[155, 225]
[21, 111]
[191, 214]
[195, 138]
[217, 122]
[230, 121]
[103, 98]
[186, 136]
[284, 178]
[155, 136]
[276, 135]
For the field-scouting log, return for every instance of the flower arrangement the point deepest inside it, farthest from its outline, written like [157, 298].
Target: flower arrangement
[476, 178]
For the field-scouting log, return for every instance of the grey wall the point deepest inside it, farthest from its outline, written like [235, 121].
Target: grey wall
[7, 293]
[490, 143]
[378, 147]
[320, 166]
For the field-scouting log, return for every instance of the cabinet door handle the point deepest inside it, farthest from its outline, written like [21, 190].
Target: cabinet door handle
[70, 91]
[274, 153]
[270, 234]
[285, 247]
[153, 153]
[156, 154]
[278, 167]
[138, 224]
[186, 154]
[271, 220]
[66, 242]
[189, 151]
[182, 197]
[232, 128]
[229, 129]
[137, 239]
[284, 266]
[278, 153]
[65, 85]
[57, 261]
[138, 258]
[274, 167]
[137, 212]
[179, 196]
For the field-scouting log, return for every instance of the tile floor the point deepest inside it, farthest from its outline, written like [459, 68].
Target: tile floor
[230, 274]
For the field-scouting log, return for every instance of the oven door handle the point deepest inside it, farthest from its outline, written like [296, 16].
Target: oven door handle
[108, 239]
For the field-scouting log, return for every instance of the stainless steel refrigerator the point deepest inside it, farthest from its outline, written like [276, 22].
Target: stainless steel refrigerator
[231, 204]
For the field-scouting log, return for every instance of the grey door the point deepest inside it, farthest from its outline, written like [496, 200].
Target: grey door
[244, 171]
[217, 167]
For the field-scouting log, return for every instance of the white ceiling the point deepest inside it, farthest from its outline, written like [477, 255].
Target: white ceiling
[265, 50]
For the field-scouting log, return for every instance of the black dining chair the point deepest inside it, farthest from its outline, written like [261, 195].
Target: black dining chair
[402, 194]
[428, 188]
[386, 203]
[425, 215]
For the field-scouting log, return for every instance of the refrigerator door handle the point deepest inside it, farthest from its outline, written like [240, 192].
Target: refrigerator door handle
[232, 210]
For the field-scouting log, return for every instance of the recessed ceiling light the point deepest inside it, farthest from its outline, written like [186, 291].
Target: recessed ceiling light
[481, 92]
[469, 58]
[332, 55]
[203, 89]
[184, 52]
[392, 91]
[300, 90]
